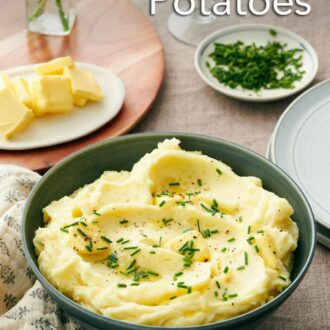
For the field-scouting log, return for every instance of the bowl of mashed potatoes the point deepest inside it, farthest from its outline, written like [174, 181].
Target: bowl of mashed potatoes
[163, 230]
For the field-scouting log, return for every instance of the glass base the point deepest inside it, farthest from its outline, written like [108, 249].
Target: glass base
[194, 28]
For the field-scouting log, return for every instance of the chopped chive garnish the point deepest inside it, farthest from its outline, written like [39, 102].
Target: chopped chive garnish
[231, 239]
[173, 184]
[123, 273]
[160, 241]
[224, 297]
[135, 284]
[162, 203]
[172, 297]
[81, 232]
[246, 258]
[105, 239]
[125, 242]
[178, 274]
[214, 231]
[152, 273]
[122, 222]
[94, 222]
[102, 248]
[198, 225]
[218, 284]
[282, 278]
[131, 248]
[256, 248]
[224, 249]
[240, 219]
[250, 239]
[186, 230]
[226, 270]
[216, 293]
[89, 246]
[249, 230]
[95, 213]
[135, 252]
[260, 231]
[64, 230]
[121, 285]
[232, 296]
[241, 268]
[73, 224]
[152, 252]
[219, 171]
[200, 183]
[83, 223]
[166, 221]
[119, 240]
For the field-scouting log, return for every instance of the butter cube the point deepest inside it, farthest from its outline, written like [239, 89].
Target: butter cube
[14, 116]
[55, 66]
[51, 94]
[22, 91]
[80, 102]
[83, 84]
[6, 82]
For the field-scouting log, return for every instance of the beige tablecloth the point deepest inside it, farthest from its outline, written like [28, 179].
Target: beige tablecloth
[187, 104]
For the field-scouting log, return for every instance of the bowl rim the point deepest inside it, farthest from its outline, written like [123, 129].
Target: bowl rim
[80, 310]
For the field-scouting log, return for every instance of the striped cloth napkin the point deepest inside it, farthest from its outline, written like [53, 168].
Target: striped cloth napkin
[24, 304]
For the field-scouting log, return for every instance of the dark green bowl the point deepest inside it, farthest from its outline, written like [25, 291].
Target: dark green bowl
[120, 154]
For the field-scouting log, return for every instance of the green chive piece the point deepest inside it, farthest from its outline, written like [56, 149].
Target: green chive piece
[152, 252]
[216, 293]
[136, 252]
[246, 258]
[152, 273]
[173, 184]
[273, 32]
[121, 285]
[219, 171]
[64, 230]
[102, 248]
[125, 242]
[172, 297]
[232, 296]
[250, 239]
[249, 230]
[81, 232]
[162, 203]
[200, 183]
[124, 221]
[73, 224]
[131, 264]
[260, 231]
[257, 248]
[198, 225]
[282, 278]
[231, 240]
[218, 284]
[131, 248]
[84, 223]
[224, 249]
[135, 284]
[105, 239]
[95, 213]
[186, 230]
[226, 270]
[166, 221]
[119, 240]
[241, 268]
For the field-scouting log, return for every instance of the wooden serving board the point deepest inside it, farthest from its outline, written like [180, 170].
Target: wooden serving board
[110, 33]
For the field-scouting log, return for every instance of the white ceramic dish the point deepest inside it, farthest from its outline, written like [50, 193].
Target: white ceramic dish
[259, 34]
[55, 129]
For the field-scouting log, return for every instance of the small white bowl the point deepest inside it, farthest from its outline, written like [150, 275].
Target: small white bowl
[260, 35]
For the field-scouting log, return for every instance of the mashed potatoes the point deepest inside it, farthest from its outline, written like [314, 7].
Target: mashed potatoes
[180, 240]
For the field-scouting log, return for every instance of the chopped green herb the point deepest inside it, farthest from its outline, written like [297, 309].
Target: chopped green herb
[183, 203]
[240, 219]
[152, 273]
[64, 230]
[249, 230]
[214, 232]
[241, 268]
[73, 224]
[119, 240]
[120, 285]
[84, 223]
[282, 278]
[232, 296]
[216, 293]
[166, 221]
[135, 252]
[273, 32]
[135, 284]
[124, 221]
[81, 232]
[231, 240]
[186, 230]
[254, 67]
[200, 183]
[223, 249]
[173, 184]
[219, 171]
[102, 248]
[257, 248]
[218, 284]
[172, 297]
[152, 252]
[260, 231]
[162, 203]
[198, 226]
[105, 239]
[226, 270]
[246, 258]
[125, 242]
[95, 213]
[250, 239]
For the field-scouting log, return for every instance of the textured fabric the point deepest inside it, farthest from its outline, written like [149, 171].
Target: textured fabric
[187, 104]
[24, 304]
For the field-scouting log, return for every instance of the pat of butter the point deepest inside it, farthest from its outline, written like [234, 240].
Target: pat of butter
[6, 82]
[14, 116]
[55, 66]
[51, 94]
[22, 91]
[84, 84]
[79, 101]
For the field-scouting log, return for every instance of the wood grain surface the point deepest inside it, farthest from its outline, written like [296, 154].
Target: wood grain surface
[109, 33]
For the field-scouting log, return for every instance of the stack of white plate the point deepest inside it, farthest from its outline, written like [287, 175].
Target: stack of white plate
[300, 145]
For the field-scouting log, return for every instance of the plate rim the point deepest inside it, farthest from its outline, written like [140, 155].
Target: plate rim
[277, 126]
[237, 27]
[121, 91]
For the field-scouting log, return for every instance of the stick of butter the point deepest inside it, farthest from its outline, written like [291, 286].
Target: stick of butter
[84, 85]
[6, 82]
[51, 94]
[22, 91]
[55, 66]
[14, 116]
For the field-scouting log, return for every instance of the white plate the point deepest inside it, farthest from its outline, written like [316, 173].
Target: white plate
[258, 34]
[55, 129]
